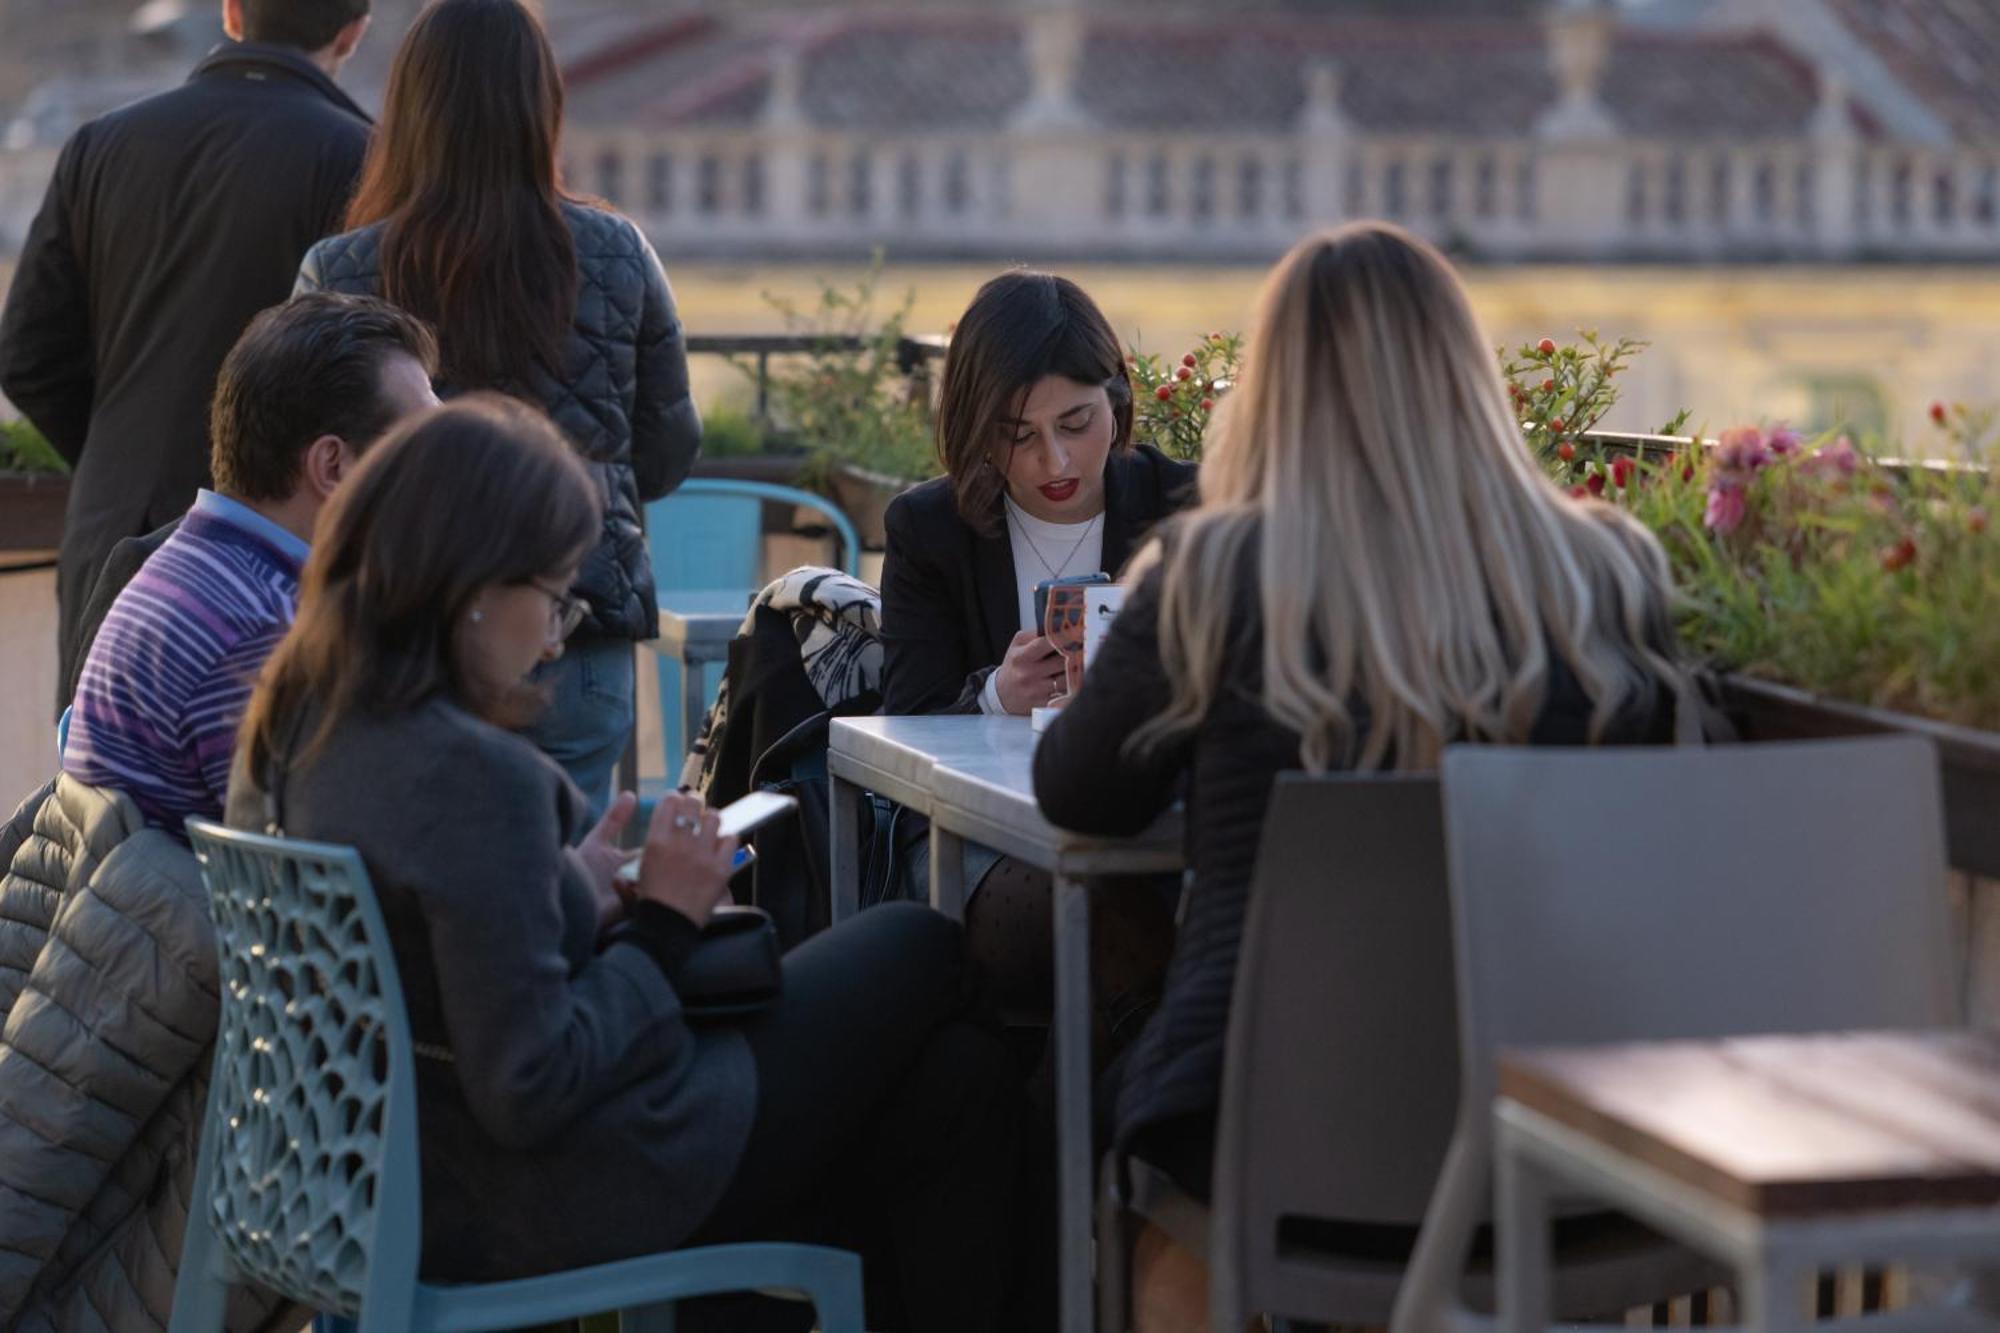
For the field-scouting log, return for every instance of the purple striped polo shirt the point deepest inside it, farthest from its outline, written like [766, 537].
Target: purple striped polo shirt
[171, 670]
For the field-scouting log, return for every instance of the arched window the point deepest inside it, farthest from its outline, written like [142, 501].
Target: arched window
[861, 183]
[1201, 195]
[611, 176]
[660, 183]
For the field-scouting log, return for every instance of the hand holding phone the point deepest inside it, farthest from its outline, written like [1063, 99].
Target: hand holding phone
[733, 821]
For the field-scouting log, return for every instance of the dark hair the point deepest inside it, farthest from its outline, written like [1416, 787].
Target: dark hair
[463, 174]
[307, 368]
[484, 491]
[310, 25]
[1020, 327]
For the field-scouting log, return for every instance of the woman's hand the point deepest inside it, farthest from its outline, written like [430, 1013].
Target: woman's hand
[1030, 675]
[687, 861]
[601, 856]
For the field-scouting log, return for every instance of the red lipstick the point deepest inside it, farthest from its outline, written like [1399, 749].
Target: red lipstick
[1059, 491]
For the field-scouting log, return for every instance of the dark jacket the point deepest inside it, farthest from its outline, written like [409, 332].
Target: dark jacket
[1085, 780]
[125, 560]
[579, 1118]
[950, 604]
[622, 400]
[169, 223]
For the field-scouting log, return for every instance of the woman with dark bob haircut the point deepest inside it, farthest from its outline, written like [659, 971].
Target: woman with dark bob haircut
[1043, 480]
[1035, 434]
[461, 218]
[570, 1113]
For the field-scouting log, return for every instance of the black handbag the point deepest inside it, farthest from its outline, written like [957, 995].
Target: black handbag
[736, 969]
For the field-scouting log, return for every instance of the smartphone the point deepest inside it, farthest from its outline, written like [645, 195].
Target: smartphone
[1042, 593]
[738, 818]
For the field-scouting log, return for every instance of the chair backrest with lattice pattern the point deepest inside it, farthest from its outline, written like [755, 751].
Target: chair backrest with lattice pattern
[314, 1189]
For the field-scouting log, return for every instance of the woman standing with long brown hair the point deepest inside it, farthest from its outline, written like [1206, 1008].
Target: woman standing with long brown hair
[461, 219]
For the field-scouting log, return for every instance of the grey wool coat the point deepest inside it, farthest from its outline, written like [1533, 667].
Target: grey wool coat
[109, 995]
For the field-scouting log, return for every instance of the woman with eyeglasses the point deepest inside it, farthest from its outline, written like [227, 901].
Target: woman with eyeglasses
[461, 219]
[570, 1111]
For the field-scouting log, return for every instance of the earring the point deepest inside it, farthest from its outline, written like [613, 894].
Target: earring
[477, 616]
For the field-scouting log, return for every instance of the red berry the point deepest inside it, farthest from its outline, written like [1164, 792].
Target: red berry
[1976, 520]
[1577, 492]
[1188, 360]
[1687, 473]
[1514, 392]
[1548, 386]
[1565, 451]
[1899, 556]
[1164, 392]
[1208, 404]
[1547, 347]
[1555, 425]
[1621, 472]
[1183, 373]
[1595, 481]
[1937, 413]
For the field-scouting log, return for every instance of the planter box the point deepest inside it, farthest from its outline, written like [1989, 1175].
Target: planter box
[1970, 758]
[31, 510]
[865, 497]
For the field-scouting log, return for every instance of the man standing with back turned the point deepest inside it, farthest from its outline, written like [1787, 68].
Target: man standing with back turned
[169, 223]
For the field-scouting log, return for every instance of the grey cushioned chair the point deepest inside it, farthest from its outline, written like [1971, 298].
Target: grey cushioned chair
[1341, 1081]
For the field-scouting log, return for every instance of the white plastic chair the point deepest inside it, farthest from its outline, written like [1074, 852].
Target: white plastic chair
[1648, 894]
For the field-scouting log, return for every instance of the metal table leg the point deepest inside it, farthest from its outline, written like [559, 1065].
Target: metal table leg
[844, 856]
[948, 873]
[1075, 1174]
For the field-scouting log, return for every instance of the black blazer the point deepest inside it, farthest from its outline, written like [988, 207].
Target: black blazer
[950, 604]
[167, 225]
[1086, 779]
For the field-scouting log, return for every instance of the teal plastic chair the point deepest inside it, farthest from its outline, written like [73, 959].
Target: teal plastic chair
[308, 1181]
[708, 535]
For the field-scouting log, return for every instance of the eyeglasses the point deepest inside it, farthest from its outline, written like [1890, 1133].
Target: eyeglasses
[566, 609]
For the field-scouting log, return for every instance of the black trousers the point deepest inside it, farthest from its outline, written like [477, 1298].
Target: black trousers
[887, 1122]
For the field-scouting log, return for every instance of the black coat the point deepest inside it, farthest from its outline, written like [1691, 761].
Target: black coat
[1087, 780]
[950, 604]
[168, 224]
[125, 560]
[622, 400]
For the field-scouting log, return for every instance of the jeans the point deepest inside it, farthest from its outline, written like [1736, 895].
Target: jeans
[590, 714]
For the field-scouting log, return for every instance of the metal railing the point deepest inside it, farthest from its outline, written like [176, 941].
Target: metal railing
[913, 353]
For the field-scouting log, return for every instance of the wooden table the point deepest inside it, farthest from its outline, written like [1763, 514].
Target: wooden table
[1780, 1155]
[989, 799]
[696, 626]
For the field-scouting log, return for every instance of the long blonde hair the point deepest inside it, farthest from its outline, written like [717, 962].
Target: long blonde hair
[1411, 557]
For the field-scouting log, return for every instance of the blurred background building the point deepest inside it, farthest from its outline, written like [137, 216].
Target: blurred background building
[1796, 200]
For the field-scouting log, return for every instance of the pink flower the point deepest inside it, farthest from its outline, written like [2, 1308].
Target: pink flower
[1726, 507]
[1838, 459]
[1783, 440]
[1742, 449]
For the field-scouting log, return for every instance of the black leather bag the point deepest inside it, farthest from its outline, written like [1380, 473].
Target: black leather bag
[737, 968]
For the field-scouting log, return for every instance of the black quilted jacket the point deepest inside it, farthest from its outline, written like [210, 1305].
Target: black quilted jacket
[623, 399]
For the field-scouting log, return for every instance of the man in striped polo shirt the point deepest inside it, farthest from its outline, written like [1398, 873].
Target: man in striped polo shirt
[307, 388]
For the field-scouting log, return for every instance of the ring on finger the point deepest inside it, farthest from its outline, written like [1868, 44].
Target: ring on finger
[686, 823]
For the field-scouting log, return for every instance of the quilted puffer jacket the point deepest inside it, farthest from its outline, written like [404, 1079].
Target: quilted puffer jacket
[108, 986]
[623, 398]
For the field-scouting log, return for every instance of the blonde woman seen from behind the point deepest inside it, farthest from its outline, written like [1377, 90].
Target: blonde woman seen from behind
[1377, 568]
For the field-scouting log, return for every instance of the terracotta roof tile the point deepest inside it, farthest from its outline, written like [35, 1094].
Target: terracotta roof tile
[1946, 52]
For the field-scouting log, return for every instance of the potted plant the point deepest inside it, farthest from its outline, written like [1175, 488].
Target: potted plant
[857, 401]
[34, 489]
[1833, 594]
